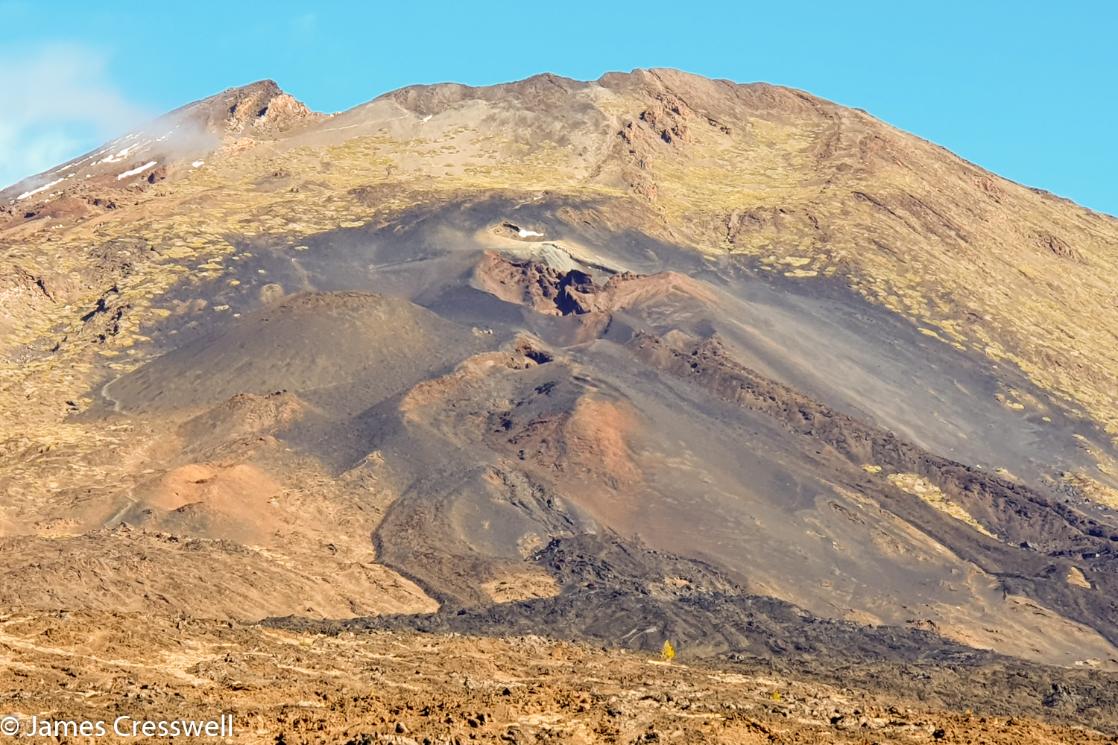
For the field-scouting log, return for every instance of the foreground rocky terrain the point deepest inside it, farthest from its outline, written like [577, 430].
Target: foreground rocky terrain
[650, 358]
[289, 687]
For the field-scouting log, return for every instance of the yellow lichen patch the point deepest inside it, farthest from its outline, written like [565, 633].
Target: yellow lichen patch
[933, 496]
[1077, 578]
[1009, 402]
[870, 468]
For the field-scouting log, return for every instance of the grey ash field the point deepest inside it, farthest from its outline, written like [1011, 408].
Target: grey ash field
[561, 366]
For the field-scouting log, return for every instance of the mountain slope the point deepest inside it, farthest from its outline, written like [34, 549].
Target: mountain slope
[761, 344]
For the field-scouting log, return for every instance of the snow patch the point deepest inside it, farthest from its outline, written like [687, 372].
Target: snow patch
[122, 153]
[33, 192]
[524, 233]
[138, 169]
[198, 164]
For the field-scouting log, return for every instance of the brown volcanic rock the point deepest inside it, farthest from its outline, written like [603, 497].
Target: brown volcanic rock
[538, 286]
[134, 570]
[261, 106]
[575, 357]
[546, 289]
[393, 687]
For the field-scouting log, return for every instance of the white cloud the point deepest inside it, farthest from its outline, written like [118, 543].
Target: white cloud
[59, 103]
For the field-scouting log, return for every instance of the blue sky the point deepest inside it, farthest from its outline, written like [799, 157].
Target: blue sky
[1028, 90]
